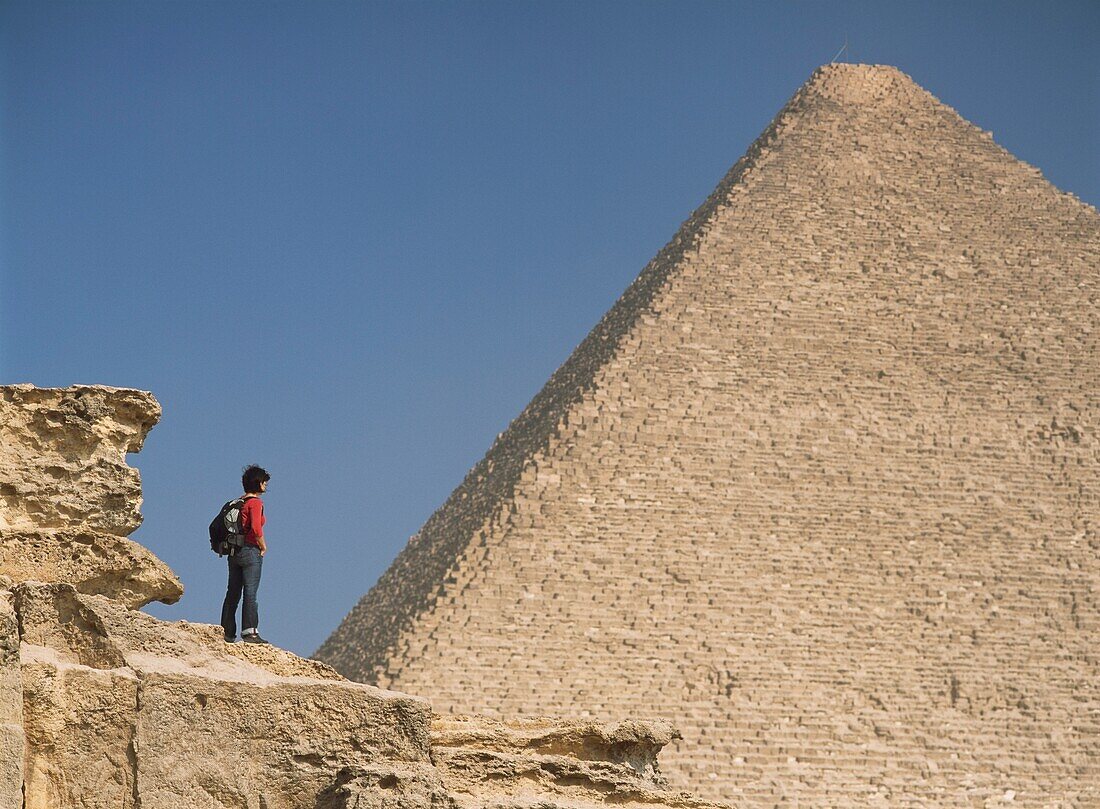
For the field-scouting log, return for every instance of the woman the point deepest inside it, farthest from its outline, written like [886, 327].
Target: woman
[245, 565]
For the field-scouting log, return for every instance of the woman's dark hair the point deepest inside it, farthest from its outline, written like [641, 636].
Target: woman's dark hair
[252, 478]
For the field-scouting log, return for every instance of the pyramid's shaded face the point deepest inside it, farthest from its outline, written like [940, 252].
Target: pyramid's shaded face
[821, 487]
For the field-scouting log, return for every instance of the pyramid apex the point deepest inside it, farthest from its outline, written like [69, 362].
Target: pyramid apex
[850, 83]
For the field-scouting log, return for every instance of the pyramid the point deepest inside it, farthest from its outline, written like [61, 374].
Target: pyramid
[821, 487]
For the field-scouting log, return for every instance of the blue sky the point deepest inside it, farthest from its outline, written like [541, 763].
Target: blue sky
[350, 242]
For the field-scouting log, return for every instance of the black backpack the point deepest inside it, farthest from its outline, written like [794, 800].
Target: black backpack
[226, 536]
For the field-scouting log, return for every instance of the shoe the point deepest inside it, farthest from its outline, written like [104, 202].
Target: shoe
[230, 640]
[254, 639]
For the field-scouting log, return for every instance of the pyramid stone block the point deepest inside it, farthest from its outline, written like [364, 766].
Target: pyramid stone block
[821, 488]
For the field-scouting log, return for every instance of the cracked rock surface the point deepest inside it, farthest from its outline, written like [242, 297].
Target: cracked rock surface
[124, 710]
[68, 499]
[105, 707]
[121, 709]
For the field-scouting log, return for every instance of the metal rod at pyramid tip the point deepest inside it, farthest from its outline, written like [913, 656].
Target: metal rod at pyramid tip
[843, 48]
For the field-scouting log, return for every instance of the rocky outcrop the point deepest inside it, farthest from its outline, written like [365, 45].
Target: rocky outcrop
[168, 715]
[124, 710]
[93, 563]
[67, 497]
[104, 707]
[481, 762]
[633, 743]
[11, 708]
[524, 761]
[63, 462]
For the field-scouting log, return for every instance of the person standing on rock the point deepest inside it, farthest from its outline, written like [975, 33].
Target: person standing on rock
[245, 565]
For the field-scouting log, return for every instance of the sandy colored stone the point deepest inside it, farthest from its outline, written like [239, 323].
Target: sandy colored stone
[820, 488]
[79, 726]
[63, 457]
[538, 761]
[11, 708]
[632, 742]
[174, 717]
[94, 563]
[275, 745]
[67, 496]
[383, 786]
[126, 711]
[11, 699]
[105, 707]
[523, 762]
[97, 631]
[11, 766]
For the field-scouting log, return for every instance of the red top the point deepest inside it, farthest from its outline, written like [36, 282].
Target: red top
[252, 520]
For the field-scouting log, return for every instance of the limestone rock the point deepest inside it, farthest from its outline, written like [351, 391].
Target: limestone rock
[94, 562]
[535, 761]
[104, 707]
[63, 457]
[166, 715]
[125, 711]
[11, 708]
[67, 497]
[80, 729]
[631, 742]
[278, 743]
[387, 787]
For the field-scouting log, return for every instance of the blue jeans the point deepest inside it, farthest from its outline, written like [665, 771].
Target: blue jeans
[244, 575]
